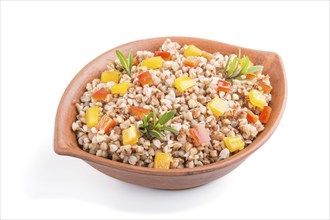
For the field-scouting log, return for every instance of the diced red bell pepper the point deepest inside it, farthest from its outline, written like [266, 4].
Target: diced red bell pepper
[100, 95]
[251, 117]
[135, 61]
[139, 111]
[200, 135]
[145, 78]
[165, 55]
[224, 86]
[106, 123]
[266, 88]
[265, 114]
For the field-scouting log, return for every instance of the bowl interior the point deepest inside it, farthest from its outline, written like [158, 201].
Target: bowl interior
[65, 142]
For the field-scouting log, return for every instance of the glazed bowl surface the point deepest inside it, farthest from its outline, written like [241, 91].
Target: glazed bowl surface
[65, 142]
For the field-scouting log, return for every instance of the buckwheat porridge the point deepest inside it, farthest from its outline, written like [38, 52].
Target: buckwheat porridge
[178, 107]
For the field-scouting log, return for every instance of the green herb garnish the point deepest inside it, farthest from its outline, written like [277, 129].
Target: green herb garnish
[127, 63]
[152, 127]
[254, 69]
[239, 67]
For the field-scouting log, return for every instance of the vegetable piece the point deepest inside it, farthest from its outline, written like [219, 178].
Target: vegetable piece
[162, 160]
[106, 124]
[92, 116]
[152, 63]
[207, 55]
[251, 117]
[153, 127]
[234, 143]
[250, 75]
[120, 88]
[265, 114]
[191, 50]
[139, 111]
[200, 134]
[224, 86]
[130, 136]
[135, 61]
[184, 82]
[126, 63]
[145, 78]
[110, 76]
[257, 98]
[218, 106]
[164, 55]
[266, 88]
[191, 61]
[100, 94]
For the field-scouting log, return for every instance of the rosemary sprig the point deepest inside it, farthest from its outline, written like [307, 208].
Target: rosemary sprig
[127, 63]
[152, 127]
[239, 67]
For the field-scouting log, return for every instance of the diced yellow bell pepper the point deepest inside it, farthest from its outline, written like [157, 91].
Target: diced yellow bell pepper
[130, 136]
[120, 88]
[92, 116]
[257, 98]
[112, 76]
[234, 143]
[162, 160]
[184, 82]
[207, 55]
[218, 106]
[191, 50]
[153, 62]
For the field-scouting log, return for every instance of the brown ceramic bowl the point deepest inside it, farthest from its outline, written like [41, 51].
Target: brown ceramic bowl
[65, 142]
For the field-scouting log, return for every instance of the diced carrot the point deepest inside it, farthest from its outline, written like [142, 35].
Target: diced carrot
[251, 117]
[135, 61]
[266, 88]
[165, 55]
[106, 123]
[100, 95]
[250, 76]
[224, 86]
[145, 78]
[265, 114]
[139, 111]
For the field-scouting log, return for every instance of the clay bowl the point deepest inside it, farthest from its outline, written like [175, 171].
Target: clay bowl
[65, 142]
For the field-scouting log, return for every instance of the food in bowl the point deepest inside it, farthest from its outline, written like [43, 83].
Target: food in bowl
[178, 107]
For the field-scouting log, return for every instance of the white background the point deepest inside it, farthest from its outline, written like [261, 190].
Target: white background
[44, 44]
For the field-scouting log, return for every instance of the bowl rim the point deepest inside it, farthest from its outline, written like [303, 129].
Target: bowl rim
[62, 148]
